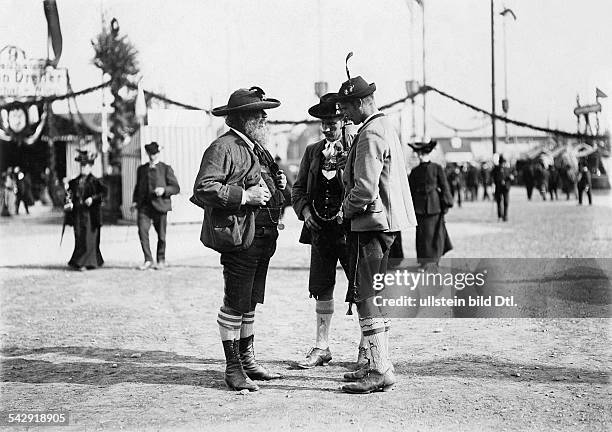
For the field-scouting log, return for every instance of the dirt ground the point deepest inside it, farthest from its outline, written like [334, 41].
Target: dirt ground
[121, 349]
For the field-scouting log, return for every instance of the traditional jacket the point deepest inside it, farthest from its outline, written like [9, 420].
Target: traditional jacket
[376, 182]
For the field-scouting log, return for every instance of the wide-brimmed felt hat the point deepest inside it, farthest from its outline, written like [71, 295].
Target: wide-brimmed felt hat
[85, 157]
[354, 88]
[423, 147]
[244, 99]
[152, 148]
[326, 109]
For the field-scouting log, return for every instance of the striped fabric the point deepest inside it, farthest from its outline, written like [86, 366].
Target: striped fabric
[248, 322]
[371, 326]
[324, 307]
[229, 325]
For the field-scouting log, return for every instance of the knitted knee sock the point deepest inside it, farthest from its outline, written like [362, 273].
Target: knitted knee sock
[373, 330]
[325, 311]
[229, 322]
[248, 322]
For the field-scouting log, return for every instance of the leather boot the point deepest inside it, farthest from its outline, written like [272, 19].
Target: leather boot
[253, 369]
[362, 358]
[359, 373]
[374, 381]
[235, 378]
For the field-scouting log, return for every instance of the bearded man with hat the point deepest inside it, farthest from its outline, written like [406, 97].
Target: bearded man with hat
[83, 211]
[317, 197]
[155, 184]
[238, 179]
[432, 199]
[379, 207]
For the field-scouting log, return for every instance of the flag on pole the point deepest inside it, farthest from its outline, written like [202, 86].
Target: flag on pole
[600, 94]
[54, 32]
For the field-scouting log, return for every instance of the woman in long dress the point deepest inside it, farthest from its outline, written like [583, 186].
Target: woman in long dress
[432, 199]
[84, 213]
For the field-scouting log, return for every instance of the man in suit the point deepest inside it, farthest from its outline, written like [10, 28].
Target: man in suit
[155, 184]
[317, 197]
[238, 175]
[502, 177]
[379, 206]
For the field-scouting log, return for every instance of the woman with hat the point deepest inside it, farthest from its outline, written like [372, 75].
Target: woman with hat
[83, 211]
[432, 199]
[239, 177]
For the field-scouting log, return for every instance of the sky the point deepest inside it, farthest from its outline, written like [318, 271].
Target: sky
[198, 51]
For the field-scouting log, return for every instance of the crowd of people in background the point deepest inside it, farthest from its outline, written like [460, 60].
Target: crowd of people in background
[16, 190]
[473, 181]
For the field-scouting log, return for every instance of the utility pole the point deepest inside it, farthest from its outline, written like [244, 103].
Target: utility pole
[422, 3]
[493, 132]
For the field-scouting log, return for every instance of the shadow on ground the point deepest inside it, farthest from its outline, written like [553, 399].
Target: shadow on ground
[104, 366]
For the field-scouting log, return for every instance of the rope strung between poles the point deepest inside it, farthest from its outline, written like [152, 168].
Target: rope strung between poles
[515, 122]
[422, 90]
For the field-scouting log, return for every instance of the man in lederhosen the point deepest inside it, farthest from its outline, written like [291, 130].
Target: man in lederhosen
[317, 196]
[375, 177]
[238, 173]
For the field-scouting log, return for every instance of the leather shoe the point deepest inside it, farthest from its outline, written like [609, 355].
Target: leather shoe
[374, 381]
[146, 266]
[316, 357]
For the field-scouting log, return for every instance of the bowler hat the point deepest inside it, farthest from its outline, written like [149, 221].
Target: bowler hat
[85, 157]
[326, 109]
[152, 148]
[246, 99]
[423, 147]
[355, 88]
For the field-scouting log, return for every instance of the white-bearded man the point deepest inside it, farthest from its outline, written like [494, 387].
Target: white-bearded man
[238, 176]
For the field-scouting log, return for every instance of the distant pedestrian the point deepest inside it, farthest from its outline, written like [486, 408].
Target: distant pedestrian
[584, 182]
[528, 176]
[9, 190]
[485, 180]
[471, 181]
[24, 190]
[432, 199]
[553, 182]
[83, 211]
[155, 184]
[455, 182]
[502, 177]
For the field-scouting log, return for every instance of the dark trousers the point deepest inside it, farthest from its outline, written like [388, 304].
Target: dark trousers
[501, 198]
[588, 192]
[21, 199]
[368, 255]
[146, 216]
[244, 272]
[328, 247]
